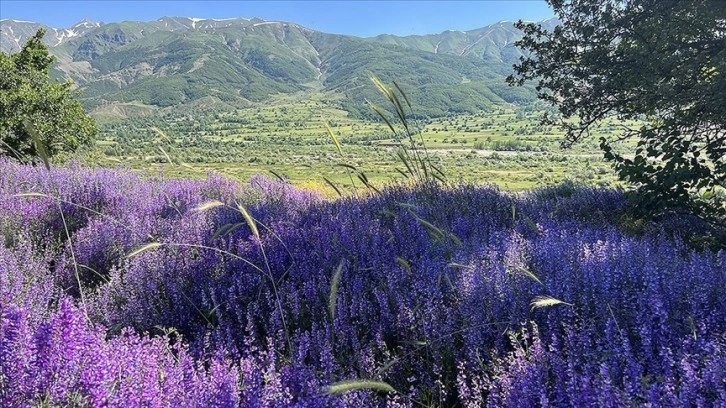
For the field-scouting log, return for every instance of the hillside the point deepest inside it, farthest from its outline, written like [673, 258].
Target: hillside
[177, 61]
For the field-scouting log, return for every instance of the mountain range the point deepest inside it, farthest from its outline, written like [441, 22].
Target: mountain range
[182, 61]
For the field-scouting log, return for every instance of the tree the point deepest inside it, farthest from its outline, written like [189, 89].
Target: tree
[660, 63]
[28, 96]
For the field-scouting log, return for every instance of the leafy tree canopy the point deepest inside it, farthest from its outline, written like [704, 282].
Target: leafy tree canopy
[28, 96]
[661, 63]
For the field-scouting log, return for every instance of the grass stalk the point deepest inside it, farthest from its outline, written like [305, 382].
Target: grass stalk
[40, 146]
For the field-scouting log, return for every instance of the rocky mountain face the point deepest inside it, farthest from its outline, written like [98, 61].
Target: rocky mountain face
[176, 61]
[14, 33]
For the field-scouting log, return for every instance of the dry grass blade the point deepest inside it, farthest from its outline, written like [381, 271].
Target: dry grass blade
[532, 225]
[95, 272]
[332, 301]
[208, 206]
[161, 133]
[383, 88]
[91, 210]
[406, 205]
[401, 114]
[279, 177]
[168, 159]
[204, 316]
[348, 166]
[393, 98]
[402, 155]
[39, 145]
[330, 183]
[352, 385]
[437, 170]
[364, 179]
[546, 301]
[440, 178]
[362, 176]
[389, 213]
[221, 231]
[434, 231]
[415, 342]
[386, 367]
[10, 149]
[335, 139]
[455, 240]
[424, 167]
[405, 97]
[383, 116]
[693, 328]
[459, 266]
[250, 221]
[404, 263]
[187, 165]
[31, 195]
[450, 283]
[226, 230]
[529, 274]
[144, 248]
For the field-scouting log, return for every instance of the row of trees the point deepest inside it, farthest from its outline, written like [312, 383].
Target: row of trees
[658, 63]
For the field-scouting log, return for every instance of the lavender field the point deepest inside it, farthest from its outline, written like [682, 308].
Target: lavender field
[122, 290]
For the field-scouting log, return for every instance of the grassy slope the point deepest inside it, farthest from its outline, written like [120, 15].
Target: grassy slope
[170, 63]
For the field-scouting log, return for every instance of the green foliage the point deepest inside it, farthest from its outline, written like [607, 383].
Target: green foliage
[27, 95]
[289, 137]
[174, 62]
[444, 84]
[661, 63]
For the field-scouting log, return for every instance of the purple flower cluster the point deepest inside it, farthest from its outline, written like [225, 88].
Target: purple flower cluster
[67, 362]
[428, 289]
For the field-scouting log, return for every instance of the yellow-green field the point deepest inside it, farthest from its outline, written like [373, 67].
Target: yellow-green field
[506, 146]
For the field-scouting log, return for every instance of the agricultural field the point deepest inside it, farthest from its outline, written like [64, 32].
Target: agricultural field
[504, 146]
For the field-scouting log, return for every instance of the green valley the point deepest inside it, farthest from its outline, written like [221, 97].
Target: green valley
[244, 96]
[287, 137]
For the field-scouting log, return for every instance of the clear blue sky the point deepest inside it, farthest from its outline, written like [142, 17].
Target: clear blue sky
[361, 18]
